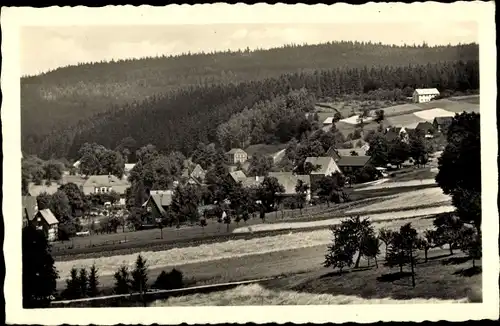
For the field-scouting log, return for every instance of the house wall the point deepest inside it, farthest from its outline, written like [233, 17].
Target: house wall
[50, 231]
[423, 97]
[332, 168]
[87, 190]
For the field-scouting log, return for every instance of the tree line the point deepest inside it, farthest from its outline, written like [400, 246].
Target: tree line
[180, 120]
[69, 94]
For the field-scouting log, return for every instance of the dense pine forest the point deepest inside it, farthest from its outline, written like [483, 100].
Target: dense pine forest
[178, 102]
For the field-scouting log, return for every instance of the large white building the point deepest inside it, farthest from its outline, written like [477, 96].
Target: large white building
[422, 95]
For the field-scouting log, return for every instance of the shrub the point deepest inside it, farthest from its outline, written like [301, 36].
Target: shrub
[169, 281]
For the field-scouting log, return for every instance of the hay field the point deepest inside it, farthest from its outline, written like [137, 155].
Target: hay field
[224, 250]
[325, 223]
[401, 184]
[427, 196]
[256, 294]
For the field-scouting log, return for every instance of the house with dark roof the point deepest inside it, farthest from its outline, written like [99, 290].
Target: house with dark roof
[96, 184]
[236, 155]
[350, 164]
[46, 221]
[426, 128]
[30, 208]
[393, 133]
[441, 124]
[157, 204]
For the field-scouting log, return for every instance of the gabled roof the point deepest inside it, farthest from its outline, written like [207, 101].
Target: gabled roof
[238, 175]
[104, 181]
[427, 91]
[250, 182]
[289, 180]
[358, 161]
[35, 190]
[129, 166]
[424, 126]
[235, 150]
[443, 120]
[161, 199]
[333, 152]
[328, 121]
[347, 151]
[29, 207]
[48, 216]
[322, 161]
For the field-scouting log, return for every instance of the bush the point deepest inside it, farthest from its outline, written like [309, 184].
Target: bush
[169, 281]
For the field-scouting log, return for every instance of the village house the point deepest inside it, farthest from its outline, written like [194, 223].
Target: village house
[157, 204]
[236, 155]
[289, 181]
[46, 221]
[98, 184]
[351, 164]
[193, 171]
[426, 128]
[326, 166]
[422, 95]
[441, 124]
[393, 133]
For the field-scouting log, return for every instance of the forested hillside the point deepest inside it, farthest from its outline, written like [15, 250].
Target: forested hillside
[58, 99]
[227, 114]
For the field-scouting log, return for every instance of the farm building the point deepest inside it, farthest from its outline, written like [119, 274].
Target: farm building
[96, 184]
[441, 124]
[46, 221]
[236, 155]
[422, 95]
[350, 164]
[289, 181]
[158, 203]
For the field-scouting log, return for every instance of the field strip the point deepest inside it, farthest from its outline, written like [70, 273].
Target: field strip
[429, 196]
[229, 249]
[400, 184]
[256, 294]
[374, 217]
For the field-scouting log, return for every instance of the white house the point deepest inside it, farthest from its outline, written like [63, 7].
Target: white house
[422, 95]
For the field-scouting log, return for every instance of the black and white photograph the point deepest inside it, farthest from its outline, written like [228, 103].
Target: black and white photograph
[250, 155]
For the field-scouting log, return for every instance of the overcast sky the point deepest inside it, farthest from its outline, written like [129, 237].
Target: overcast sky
[45, 48]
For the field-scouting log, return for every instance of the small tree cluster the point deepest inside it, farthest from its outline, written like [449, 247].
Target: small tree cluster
[402, 249]
[135, 280]
[81, 284]
[351, 236]
[169, 281]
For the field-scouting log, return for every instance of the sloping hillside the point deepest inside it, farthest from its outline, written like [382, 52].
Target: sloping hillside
[61, 98]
